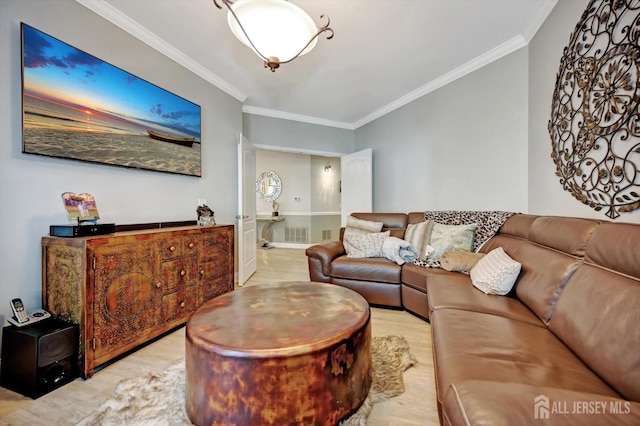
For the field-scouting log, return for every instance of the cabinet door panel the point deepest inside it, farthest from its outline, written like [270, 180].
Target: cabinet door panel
[214, 282]
[216, 265]
[216, 244]
[179, 305]
[190, 245]
[171, 248]
[177, 274]
[128, 299]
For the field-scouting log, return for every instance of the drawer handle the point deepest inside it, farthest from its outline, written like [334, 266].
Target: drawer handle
[191, 245]
[158, 285]
[182, 304]
[182, 273]
[172, 248]
[202, 272]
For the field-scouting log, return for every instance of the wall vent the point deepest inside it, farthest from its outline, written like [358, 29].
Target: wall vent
[326, 235]
[296, 235]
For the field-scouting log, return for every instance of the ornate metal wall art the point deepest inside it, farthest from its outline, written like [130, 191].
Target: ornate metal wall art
[595, 121]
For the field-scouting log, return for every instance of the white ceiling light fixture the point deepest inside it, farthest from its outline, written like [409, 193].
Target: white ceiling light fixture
[276, 30]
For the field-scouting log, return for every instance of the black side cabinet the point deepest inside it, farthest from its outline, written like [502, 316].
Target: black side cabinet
[39, 358]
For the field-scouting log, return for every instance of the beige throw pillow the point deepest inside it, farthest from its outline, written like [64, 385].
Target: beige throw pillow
[495, 273]
[418, 234]
[459, 261]
[355, 227]
[451, 237]
[365, 245]
[359, 226]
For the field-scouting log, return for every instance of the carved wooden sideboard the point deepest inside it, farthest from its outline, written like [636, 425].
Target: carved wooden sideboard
[126, 288]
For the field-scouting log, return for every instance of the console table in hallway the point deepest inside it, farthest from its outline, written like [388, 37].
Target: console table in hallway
[266, 229]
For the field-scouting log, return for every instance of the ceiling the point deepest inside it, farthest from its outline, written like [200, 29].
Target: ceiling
[385, 53]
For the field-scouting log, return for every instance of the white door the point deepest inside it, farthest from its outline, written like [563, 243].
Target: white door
[357, 183]
[247, 248]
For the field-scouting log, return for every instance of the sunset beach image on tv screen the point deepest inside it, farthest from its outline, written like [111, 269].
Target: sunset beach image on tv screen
[79, 107]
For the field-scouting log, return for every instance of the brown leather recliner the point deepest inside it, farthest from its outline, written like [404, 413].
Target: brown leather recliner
[381, 281]
[377, 279]
[562, 348]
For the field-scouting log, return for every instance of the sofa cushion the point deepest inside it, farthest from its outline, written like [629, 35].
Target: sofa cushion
[376, 293]
[476, 346]
[416, 217]
[451, 237]
[566, 234]
[616, 246]
[389, 220]
[518, 225]
[417, 276]
[544, 272]
[395, 223]
[510, 244]
[376, 269]
[495, 273]
[475, 402]
[543, 275]
[598, 317]
[456, 292]
[597, 314]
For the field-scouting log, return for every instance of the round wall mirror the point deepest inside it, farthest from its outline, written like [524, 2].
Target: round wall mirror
[268, 186]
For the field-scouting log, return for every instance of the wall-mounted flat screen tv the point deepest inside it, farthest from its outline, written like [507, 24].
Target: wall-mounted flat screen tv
[79, 107]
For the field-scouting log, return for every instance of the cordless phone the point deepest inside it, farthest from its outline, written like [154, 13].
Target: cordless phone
[18, 310]
[21, 318]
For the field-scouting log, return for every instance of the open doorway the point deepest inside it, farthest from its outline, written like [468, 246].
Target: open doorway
[308, 208]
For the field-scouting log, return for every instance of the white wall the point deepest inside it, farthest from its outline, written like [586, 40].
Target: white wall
[325, 187]
[546, 195]
[30, 186]
[461, 147]
[294, 171]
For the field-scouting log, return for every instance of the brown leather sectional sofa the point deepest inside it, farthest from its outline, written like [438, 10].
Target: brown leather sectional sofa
[562, 348]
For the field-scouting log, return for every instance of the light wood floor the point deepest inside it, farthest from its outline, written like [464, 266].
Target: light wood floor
[72, 402]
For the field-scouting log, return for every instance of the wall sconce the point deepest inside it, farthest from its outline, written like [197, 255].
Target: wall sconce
[327, 168]
[276, 30]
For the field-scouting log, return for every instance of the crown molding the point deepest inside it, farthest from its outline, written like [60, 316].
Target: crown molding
[116, 17]
[305, 151]
[296, 117]
[539, 16]
[504, 49]
[471, 66]
[121, 20]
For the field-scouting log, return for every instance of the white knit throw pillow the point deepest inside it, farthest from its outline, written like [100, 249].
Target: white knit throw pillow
[365, 245]
[496, 273]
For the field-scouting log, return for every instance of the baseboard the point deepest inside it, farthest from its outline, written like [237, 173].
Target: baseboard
[289, 245]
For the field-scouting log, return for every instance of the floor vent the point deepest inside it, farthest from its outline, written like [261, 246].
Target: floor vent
[326, 235]
[296, 235]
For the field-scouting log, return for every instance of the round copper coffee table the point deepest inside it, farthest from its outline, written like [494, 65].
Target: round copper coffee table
[286, 353]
